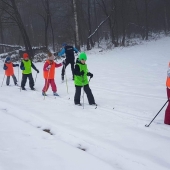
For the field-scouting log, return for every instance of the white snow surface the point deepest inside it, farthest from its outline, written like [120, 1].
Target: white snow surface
[129, 88]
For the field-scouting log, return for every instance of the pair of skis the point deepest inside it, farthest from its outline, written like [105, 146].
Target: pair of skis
[95, 105]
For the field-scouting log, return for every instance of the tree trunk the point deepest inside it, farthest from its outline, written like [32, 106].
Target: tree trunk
[166, 17]
[52, 32]
[146, 19]
[1, 36]
[123, 23]
[46, 21]
[95, 15]
[89, 40]
[46, 34]
[22, 30]
[76, 24]
[111, 24]
[138, 20]
[116, 24]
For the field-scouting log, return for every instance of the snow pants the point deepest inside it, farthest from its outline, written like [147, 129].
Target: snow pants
[50, 82]
[88, 93]
[167, 111]
[8, 80]
[24, 80]
[66, 64]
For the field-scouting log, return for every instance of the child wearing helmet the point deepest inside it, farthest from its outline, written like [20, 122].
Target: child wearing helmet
[81, 80]
[9, 71]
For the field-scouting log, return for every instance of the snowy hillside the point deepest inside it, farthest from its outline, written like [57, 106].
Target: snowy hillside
[129, 88]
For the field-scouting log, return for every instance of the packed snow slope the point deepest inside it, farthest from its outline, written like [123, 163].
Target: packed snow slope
[129, 88]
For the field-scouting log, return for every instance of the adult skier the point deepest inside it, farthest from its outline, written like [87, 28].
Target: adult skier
[70, 58]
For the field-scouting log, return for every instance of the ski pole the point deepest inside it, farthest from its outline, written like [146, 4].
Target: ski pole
[18, 70]
[18, 74]
[83, 91]
[83, 96]
[4, 74]
[36, 77]
[65, 77]
[47, 82]
[157, 113]
[3, 80]
[21, 82]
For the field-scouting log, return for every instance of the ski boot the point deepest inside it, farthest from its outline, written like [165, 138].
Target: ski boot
[55, 94]
[44, 94]
[78, 104]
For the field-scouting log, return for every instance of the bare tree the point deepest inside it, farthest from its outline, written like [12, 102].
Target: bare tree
[111, 22]
[90, 43]
[166, 16]
[1, 29]
[47, 20]
[11, 9]
[96, 19]
[146, 20]
[80, 22]
[76, 24]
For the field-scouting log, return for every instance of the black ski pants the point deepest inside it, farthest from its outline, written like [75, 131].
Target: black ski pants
[8, 80]
[24, 80]
[88, 93]
[65, 65]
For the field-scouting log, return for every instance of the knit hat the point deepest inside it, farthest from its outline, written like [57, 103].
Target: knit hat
[7, 59]
[82, 56]
[64, 44]
[25, 55]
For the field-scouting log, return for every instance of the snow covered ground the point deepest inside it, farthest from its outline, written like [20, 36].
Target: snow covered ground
[130, 80]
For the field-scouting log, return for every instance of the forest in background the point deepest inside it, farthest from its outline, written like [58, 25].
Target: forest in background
[48, 23]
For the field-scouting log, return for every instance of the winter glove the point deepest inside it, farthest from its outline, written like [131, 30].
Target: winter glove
[82, 73]
[37, 71]
[5, 67]
[168, 73]
[22, 68]
[90, 75]
[77, 53]
[49, 66]
[56, 54]
[64, 61]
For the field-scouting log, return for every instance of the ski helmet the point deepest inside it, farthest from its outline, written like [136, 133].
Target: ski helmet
[82, 56]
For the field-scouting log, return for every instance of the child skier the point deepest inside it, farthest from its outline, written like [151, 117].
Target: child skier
[49, 74]
[9, 71]
[25, 66]
[167, 112]
[81, 80]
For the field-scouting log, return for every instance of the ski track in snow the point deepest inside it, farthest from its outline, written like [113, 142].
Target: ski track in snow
[104, 132]
[60, 129]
